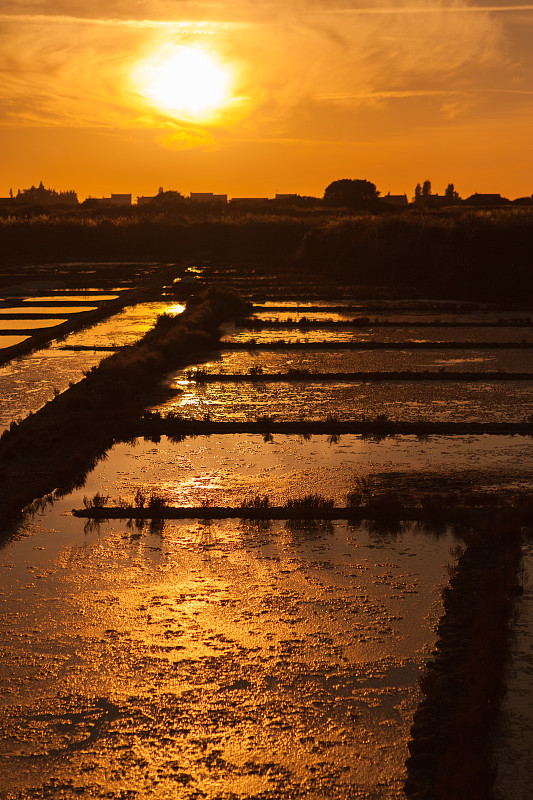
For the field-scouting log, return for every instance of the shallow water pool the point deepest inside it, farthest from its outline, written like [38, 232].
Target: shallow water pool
[212, 660]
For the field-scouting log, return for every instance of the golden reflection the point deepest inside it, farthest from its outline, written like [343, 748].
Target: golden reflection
[175, 308]
[187, 82]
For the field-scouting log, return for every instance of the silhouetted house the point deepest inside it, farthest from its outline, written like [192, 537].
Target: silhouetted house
[119, 199]
[143, 201]
[395, 199]
[285, 196]
[208, 197]
[486, 200]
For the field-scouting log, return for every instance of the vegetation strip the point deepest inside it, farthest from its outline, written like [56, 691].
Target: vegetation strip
[373, 512]
[451, 746]
[270, 512]
[363, 503]
[199, 376]
[153, 424]
[57, 445]
[358, 345]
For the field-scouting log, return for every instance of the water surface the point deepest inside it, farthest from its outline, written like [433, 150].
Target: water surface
[409, 401]
[227, 469]
[212, 660]
[242, 361]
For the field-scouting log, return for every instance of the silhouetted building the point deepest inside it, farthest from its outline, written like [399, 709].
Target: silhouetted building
[114, 200]
[208, 197]
[486, 200]
[143, 201]
[119, 199]
[395, 199]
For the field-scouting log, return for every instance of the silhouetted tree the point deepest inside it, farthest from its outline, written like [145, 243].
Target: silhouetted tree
[351, 193]
[450, 194]
[426, 189]
[418, 193]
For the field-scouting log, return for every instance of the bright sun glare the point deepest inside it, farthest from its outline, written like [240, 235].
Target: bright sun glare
[185, 81]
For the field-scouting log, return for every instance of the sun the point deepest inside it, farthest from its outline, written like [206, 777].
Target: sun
[185, 82]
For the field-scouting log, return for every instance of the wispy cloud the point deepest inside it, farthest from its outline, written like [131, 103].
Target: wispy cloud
[70, 63]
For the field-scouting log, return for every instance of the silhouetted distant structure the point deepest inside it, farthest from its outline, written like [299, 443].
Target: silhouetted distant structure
[118, 199]
[162, 200]
[40, 196]
[115, 200]
[399, 200]
[424, 197]
[208, 197]
[486, 200]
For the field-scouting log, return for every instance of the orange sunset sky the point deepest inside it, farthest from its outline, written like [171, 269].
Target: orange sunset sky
[252, 98]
